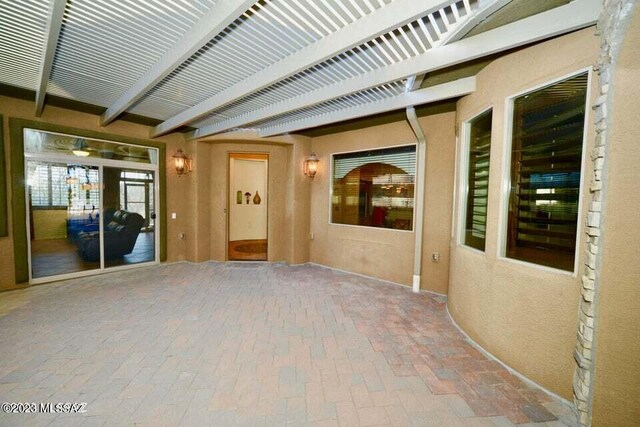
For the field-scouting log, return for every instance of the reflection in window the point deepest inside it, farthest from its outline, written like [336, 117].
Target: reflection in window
[374, 188]
[478, 181]
[548, 128]
[53, 143]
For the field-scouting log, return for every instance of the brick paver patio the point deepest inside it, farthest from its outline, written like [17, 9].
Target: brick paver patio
[250, 344]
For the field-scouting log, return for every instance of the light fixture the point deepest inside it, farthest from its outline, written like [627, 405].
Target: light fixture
[181, 162]
[81, 148]
[311, 165]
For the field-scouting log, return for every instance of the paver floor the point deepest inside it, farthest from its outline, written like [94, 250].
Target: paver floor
[250, 344]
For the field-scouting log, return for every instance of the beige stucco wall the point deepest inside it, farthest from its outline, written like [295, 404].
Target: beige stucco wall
[288, 199]
[298, 210]
[523, 314]
[178, 189]
[617, 334]
[199, 198]
[383, 253]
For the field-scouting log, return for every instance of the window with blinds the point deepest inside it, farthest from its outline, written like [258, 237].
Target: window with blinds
[546, 161]
[52, 186]
[48, 186]
[478, 155]
[374, 188]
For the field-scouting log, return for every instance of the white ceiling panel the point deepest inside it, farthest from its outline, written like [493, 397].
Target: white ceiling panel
[270, 31]
[403, 43]
[263, 64]
[114, 42]
[22, 33]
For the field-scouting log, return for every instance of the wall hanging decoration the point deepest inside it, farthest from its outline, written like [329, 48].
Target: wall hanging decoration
[247, 195]
[256, 199]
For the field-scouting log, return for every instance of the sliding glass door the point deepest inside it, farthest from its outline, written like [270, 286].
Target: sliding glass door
[129, 203]
[91, 205]
[64, 215]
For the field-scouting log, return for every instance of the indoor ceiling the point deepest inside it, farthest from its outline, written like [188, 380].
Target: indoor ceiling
[274, 66]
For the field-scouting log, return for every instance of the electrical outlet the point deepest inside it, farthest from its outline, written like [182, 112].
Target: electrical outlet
[182, 236]
[311, 236]
[435, 257]
[173, 215]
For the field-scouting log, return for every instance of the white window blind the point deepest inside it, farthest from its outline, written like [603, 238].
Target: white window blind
[48, 186]
[374, 188]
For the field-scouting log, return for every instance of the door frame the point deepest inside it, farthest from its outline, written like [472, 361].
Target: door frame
[240, 155]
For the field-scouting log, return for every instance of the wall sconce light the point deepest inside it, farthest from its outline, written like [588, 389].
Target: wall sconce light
[81, 148]
[182, 163]
[311, 165]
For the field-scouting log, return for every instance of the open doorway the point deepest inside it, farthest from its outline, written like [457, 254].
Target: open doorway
[248, 207]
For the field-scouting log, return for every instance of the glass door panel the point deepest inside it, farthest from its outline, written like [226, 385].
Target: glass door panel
[129, 210]
[64, 218]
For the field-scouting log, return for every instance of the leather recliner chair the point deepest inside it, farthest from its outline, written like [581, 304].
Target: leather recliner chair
[120, 236]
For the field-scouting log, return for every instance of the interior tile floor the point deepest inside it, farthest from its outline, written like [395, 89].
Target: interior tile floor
[251, 344]
[59, 256]
[51, 257]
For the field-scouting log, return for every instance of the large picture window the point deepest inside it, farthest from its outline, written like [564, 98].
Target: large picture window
[546, 161]
[374, 188]
[478, 156]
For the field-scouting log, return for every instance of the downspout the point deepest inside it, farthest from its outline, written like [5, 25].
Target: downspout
[419, 195]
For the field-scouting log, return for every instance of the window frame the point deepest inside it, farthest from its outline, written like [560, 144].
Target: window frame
[417, 187]
[506, 174]
[463, 176]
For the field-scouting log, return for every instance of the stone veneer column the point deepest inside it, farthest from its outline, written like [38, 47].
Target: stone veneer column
[611, 27]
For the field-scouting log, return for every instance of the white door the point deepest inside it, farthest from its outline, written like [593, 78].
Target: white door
[248, 196]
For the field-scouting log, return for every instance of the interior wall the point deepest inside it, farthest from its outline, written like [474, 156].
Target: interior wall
[524, 314]
[49, 224]
[287, 205]
[617, 334]
[362, 249]
[177, 189]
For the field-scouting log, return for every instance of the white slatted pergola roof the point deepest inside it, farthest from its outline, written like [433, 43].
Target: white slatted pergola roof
[274, 66]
